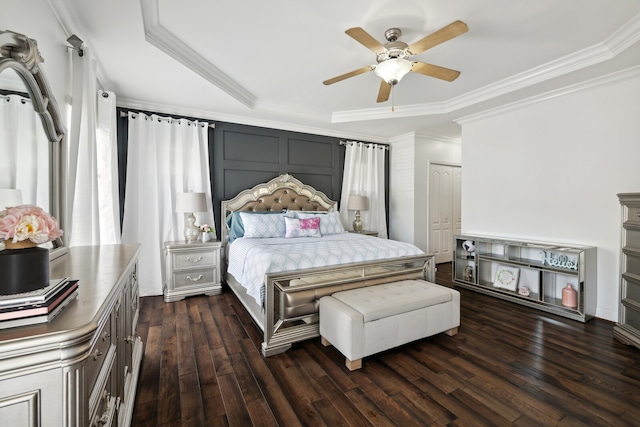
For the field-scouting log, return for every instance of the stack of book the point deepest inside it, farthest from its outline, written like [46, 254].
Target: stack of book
[39, 306]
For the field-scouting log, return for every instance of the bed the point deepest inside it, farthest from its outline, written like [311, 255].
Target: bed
[279, 280]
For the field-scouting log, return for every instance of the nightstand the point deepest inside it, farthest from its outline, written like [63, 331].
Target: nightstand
[367, 232]
[191, 269]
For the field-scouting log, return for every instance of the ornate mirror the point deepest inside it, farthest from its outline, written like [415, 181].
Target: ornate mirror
[21, 76]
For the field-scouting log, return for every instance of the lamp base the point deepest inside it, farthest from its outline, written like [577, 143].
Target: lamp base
[357, 223]
[191, 231]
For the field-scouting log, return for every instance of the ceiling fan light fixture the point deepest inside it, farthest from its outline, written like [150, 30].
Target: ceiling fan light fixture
[393, 70]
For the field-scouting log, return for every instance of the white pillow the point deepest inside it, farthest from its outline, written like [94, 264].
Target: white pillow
[329, 221]
[307, 227]
[263, 226]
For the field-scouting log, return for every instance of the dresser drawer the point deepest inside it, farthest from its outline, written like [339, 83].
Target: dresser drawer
[194, 277]
[98, 355]
[632, 263]
[631, 317]
[633, 214]
[195, 259]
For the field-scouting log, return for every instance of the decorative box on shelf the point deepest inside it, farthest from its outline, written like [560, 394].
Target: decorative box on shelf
[556, 278]
[192, 269]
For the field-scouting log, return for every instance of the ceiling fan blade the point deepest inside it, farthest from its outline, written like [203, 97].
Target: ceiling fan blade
[442, 35]
[435, 71]
[383, 93]
[365, 39]
[347, 75]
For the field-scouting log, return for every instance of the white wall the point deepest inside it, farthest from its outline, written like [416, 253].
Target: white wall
[401, 189]
[551, 171]
[35, 19]
[410, 156]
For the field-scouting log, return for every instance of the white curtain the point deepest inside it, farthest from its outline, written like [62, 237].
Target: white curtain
[24, 151]
[364, 176]
[165, 156]
[92, 191]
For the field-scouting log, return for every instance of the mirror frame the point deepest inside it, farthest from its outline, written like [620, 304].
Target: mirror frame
[20, 53]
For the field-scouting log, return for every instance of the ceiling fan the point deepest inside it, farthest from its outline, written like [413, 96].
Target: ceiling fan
[393, 58]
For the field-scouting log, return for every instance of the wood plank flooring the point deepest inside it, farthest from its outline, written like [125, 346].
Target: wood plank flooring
[508, 365]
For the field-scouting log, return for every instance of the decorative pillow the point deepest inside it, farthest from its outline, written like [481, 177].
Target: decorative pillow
[236, 227]
[262, 226]
[329, 221]
[309, 227]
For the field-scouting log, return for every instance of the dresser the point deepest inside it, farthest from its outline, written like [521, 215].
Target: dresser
[627, 330]
[192, 269]
[80, 369]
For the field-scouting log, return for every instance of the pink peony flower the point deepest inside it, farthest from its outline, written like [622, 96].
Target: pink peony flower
[28, 222]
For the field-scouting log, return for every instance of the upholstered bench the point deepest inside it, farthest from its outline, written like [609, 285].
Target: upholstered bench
[364, 321]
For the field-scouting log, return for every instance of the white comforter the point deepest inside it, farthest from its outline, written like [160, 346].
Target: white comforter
[250, 259]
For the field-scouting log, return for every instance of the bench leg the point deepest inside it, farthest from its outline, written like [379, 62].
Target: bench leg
[451, 332]
[352, 365]
[325, 342]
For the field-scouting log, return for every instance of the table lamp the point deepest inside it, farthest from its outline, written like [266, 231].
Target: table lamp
[357, 203]
[10, 197]
[190, 203]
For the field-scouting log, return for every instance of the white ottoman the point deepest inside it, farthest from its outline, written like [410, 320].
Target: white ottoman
[364, 321]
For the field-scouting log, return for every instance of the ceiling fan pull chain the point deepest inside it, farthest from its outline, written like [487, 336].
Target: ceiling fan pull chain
[393, 98]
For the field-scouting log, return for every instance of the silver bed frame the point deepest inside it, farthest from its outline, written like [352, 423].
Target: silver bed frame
[281, 331]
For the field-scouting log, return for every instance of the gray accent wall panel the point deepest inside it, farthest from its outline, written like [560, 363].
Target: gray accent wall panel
[310, 153]
[243, 156]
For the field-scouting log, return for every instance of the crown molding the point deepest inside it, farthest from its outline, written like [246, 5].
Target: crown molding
[615, 44]
[598, 82]
[134, 104]
[168, 43]
[439, 138]
[387, 113]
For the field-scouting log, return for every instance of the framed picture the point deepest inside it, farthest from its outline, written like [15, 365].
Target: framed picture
[506, 277]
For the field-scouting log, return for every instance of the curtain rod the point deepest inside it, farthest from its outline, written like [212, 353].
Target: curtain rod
[366, 144]
[160, 119]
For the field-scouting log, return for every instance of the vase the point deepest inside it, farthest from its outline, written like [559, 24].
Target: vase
[569, 296]
[24, 267]
[205, 237]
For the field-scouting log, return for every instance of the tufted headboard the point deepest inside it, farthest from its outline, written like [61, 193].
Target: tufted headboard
[282, 192]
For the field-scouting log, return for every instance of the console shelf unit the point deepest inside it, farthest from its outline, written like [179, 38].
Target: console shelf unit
[544, 268]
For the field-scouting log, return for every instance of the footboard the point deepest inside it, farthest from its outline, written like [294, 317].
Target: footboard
[291, 298]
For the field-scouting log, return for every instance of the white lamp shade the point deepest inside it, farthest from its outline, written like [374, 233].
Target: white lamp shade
[191, 202]
[9, 198]
[358, 203]
[393, 70]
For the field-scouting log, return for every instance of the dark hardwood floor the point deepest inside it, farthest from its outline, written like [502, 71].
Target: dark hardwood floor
[508, 365]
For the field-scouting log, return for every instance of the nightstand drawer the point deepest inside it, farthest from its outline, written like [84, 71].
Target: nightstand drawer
[195, 259]
[194, 277]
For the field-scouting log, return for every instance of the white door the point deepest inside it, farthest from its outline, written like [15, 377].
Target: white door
[444, 209]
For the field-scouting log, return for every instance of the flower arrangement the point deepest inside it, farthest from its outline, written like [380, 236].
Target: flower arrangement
[205, 228]
[28, 222]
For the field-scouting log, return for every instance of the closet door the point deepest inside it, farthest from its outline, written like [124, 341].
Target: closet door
[444, 209]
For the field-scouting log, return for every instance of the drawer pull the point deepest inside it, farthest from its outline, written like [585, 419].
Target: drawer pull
[194, 260]
[130, 339]
[195, 279]
[106, 336]
[97, 354]
[104, 419]
[638, 214]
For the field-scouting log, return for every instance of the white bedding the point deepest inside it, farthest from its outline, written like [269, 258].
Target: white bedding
[250, 259]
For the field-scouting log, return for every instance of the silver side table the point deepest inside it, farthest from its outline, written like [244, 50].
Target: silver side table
[191, 269]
